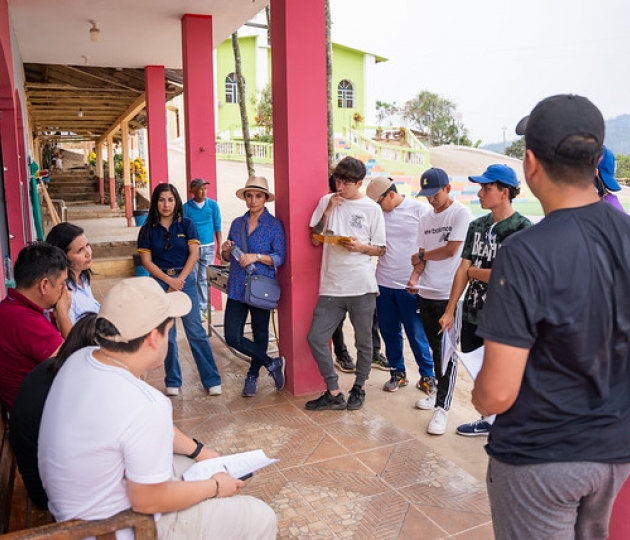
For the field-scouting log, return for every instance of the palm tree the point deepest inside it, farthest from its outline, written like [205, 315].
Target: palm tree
[242, 103]
[329, 89]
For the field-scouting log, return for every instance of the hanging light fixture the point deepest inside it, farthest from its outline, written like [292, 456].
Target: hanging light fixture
[80, 112]
[95, 33]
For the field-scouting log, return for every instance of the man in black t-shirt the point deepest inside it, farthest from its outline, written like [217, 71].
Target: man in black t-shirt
[556, 325]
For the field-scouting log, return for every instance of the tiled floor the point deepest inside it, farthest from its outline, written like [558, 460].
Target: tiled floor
[342, 474]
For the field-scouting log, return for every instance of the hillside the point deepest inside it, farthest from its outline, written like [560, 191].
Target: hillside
[617, 137]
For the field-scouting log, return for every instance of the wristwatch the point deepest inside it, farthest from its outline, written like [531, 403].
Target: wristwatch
[258, 257]
[196, 451]
[421, 254]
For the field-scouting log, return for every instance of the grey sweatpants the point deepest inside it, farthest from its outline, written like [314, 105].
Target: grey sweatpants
[329, 312]
[239, 517]
[554, 501]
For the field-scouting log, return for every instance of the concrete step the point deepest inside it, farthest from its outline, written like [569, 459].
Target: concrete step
[113, 267]
[113, 249]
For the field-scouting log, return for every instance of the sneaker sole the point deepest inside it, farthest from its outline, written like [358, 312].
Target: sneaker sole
[345, 370]
[435, 431]
[474, 434]
[332, 407]
[395, 388]
[381, 367]
[427, 408]
[354, 407]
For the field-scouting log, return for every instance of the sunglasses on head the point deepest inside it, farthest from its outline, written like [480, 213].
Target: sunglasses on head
[167, 242]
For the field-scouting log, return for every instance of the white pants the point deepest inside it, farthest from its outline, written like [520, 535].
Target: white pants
[240, 517]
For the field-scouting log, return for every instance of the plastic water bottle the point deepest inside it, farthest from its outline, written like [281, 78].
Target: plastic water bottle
[8, 268]
[236, 253]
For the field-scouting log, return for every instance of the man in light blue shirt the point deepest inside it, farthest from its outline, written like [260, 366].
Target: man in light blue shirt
[206, 216]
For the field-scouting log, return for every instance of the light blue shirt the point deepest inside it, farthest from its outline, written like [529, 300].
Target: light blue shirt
[207, 219]
[82, 300]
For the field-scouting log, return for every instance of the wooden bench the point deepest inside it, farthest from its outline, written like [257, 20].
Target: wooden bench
[21, 519]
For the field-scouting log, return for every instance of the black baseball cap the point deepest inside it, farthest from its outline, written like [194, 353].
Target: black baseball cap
[432, 181]
[557, 118]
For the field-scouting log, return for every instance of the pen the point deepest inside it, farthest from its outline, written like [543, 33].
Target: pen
[246, 477]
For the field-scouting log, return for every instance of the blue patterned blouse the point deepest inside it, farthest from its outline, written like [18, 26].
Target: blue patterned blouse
[267, 239]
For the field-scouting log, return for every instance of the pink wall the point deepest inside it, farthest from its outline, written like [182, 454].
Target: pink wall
[301, 172]
[156, 125]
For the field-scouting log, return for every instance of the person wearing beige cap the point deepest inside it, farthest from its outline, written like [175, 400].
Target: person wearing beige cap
[106, 431]
[255, 244]
[396, 308]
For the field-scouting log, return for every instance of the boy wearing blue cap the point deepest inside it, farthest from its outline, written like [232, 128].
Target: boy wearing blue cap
[498, 187]
[605, 181]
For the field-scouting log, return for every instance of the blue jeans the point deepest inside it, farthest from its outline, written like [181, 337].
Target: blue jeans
[206, 257]
[234, 327]
[198, 341]
[396, 308]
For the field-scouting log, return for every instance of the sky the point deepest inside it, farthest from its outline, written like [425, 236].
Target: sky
[495, 59]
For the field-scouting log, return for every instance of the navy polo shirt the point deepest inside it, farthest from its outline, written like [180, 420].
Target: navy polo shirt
[155, 239]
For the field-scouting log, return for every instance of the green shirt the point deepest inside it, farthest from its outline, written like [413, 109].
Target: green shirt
[482, 243]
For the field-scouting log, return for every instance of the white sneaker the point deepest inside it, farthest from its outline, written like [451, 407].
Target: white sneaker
[172, 391]
[426, 404]
[437, 425]
[214, 390]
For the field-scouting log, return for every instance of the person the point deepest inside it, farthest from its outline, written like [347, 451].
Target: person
[26, 413]
[130, 455]
[605, 180]
[206, 216]
[498, 187]
[169, 247]
[441, 236]
[397, 308]
[72, 240]
[33, 316]
[260, 238]
[556, 367]
[347, 282]
[343, 361]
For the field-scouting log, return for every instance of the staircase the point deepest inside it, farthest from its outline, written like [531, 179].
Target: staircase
[77, 186]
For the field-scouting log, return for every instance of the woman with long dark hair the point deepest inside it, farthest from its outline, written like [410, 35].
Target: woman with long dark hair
[72, 240]
[28, 407]
[260, 238]
[168, 245]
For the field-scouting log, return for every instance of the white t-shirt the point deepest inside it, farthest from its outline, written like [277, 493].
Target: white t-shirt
[100, 426]
[344, 273]
[401, 225]
[435, 231]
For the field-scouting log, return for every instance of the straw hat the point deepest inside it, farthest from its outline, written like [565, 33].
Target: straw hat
[256, 183]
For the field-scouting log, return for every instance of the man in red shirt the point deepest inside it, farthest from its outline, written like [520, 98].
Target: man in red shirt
[33, 316]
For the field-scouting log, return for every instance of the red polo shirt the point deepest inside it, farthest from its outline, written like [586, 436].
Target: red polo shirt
[27, 337]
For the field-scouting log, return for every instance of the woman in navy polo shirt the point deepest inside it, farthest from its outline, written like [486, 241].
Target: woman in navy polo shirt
[266, 248]
[168, 245]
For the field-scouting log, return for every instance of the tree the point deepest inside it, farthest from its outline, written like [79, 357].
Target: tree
[623, 167]
[264, 111]
[435, 116]
[516, 149]
[385, 111]
[329, 90]
[242, 103]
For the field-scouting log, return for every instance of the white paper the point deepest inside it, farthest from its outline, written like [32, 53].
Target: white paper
[236, 465]
[472, 361]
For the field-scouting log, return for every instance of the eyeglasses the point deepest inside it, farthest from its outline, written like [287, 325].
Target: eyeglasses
[388, 190]
[167, 242]
[345, 182]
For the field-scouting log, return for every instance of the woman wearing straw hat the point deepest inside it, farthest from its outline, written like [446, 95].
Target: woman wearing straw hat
[266, 248]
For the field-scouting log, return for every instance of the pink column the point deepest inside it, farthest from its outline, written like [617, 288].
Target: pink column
[199, 111]
[99, 172]
[619, 527]
[156, 125]
[12, 188]
[113, 203]
[301, 172]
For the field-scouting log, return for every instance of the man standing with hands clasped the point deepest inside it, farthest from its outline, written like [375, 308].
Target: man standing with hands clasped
[556, 326]
[347, 283]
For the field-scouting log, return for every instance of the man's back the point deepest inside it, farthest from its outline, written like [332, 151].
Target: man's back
[101, 425]
[571, 276]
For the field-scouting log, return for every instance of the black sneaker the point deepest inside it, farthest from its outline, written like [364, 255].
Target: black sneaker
[327, 402]
[380, 362]
[345, 363]
[356, 398]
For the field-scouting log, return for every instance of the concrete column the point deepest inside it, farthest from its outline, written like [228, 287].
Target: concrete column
[156, 125]
[124, 135]
[111, 173]
[301, 172]
[99, 172]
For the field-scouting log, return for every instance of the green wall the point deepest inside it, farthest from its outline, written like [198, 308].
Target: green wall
[347, 64]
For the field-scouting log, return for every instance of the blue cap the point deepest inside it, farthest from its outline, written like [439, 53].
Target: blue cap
[497, 173]
[606, 170]
[432, 181]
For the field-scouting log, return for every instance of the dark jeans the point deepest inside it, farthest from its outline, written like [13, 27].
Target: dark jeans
[339, 346]
[234, 327]
[430, 313]
[470, 340]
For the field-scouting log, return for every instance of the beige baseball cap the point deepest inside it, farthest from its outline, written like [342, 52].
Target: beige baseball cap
[135, 306]
[377, 187]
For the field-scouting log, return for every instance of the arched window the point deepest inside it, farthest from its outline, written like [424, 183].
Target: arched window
[231, 88]
[345, 95]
